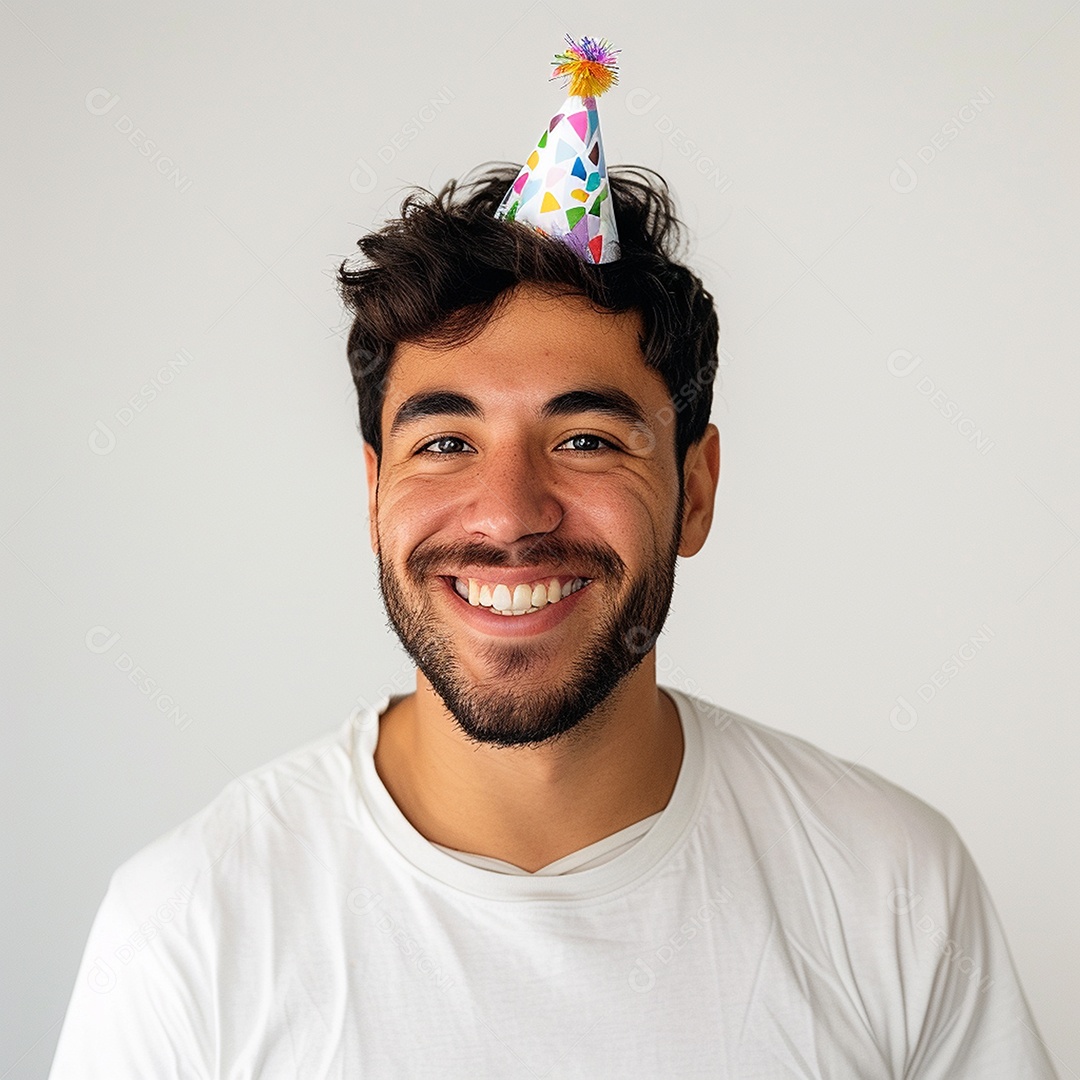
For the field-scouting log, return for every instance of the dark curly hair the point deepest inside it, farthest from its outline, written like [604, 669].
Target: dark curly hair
[435, 275]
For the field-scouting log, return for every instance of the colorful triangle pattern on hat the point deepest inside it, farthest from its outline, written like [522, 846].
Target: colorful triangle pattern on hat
[562, 189]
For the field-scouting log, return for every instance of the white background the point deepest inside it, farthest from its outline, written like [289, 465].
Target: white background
[861, 536]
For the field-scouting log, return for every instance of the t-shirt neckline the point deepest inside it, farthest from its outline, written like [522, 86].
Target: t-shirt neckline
[404, 843]
[602, 851]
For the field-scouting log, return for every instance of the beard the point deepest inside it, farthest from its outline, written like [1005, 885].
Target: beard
[510, 708]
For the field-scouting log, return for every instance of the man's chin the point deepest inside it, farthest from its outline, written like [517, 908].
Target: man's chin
[528, 663]
[514, 716]
[516, 695]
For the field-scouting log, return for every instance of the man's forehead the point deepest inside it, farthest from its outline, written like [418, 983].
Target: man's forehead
[538, 319]
[535, 345]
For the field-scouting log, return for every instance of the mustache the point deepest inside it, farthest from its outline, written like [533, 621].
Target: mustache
[591, 560]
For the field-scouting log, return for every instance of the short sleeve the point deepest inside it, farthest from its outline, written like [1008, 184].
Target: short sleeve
[141, 1003]
[977, 1024]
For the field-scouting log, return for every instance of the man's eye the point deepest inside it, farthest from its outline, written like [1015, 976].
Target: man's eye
[586, 443]
[444, 444]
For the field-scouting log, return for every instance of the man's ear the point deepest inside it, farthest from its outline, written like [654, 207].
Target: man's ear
[701, 473]
[371, 466]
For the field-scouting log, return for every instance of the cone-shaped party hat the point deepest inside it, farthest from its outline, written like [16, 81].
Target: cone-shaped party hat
[562, 189]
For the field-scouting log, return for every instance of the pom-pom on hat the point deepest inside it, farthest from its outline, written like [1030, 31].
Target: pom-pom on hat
[562, 189]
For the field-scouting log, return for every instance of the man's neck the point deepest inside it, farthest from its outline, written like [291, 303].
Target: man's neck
[532, 805]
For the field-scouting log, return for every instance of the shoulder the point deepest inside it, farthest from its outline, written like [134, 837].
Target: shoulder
[148, 983]
[874, 886]
[255, 809]
[785, 779]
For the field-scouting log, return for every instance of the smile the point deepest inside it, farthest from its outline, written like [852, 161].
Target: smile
[524, 598]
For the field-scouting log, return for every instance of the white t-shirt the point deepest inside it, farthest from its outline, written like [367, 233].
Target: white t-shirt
[786, 915]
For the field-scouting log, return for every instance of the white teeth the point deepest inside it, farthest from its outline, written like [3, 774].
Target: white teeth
[523, 599]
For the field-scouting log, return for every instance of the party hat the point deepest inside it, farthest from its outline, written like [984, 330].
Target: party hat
[562, 189]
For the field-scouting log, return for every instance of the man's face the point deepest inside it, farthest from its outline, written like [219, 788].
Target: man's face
[527, 471]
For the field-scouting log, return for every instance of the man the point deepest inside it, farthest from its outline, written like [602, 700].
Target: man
[541, 863]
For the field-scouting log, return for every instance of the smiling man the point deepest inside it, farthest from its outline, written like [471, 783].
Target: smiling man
[526, 510]
[541, 863]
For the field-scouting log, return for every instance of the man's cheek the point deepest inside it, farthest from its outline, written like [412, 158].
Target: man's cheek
[414, 515]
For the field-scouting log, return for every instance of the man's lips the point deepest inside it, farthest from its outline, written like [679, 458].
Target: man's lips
[489, 621]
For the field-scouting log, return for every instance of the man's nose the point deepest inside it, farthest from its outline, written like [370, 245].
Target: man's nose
[509, 496]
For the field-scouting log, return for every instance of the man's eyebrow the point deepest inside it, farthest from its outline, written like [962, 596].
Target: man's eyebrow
[606, 400]
[434, 403]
